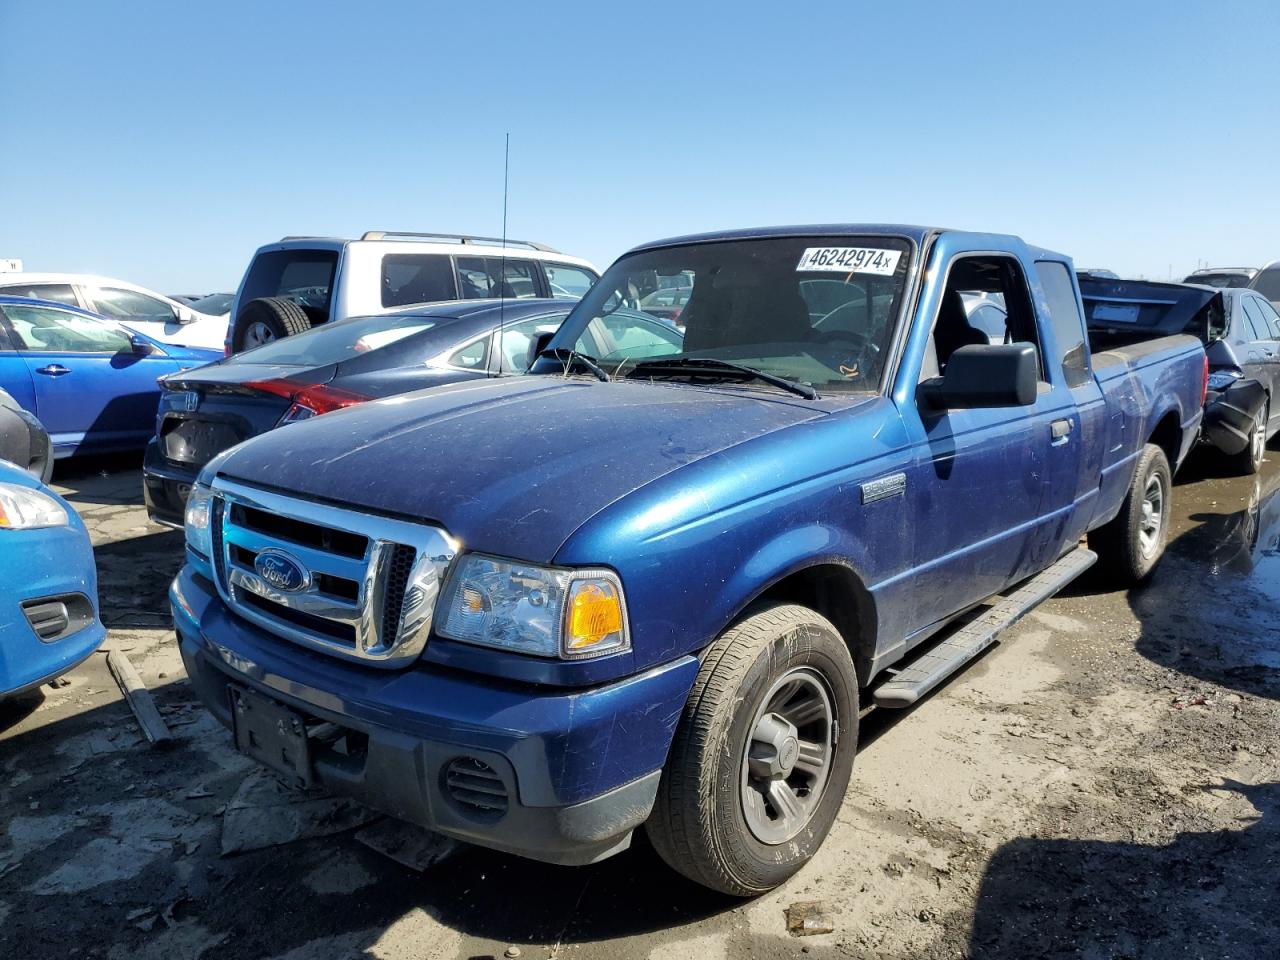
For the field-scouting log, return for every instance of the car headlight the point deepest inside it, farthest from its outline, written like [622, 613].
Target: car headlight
[543, 611]
[196, 520]
[22, 508]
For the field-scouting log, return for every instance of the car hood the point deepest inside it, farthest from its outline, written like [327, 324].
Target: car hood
[510, 466]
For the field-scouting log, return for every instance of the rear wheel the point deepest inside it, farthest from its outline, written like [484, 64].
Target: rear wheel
[1249, 460]
[1130, 546]
[763, 753]
[267, 319]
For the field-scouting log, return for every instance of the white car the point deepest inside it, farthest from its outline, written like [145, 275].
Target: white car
[301, 282]
[138, 308]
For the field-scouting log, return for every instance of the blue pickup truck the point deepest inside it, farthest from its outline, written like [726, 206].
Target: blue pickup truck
[657, 587]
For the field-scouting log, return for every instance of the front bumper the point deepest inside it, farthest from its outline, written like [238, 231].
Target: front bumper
[37, 565]
[579, 769]
[1230, 414]
[165, 486]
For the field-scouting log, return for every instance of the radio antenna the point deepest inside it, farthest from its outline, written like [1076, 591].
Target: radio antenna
[502, 271]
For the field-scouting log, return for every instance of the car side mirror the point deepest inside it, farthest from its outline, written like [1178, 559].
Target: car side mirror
[537, 343]
[141, 346]
[183, 315]
[986, 375]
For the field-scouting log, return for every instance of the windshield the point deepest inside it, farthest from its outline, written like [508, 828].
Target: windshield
[214, 304]
[817, 311]
[335, 342]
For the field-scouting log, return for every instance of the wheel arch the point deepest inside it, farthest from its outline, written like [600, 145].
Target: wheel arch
[1167, 435]
[831, 587]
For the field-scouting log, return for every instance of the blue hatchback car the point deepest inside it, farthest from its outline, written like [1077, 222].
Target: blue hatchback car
[90, 381]
[49, 618]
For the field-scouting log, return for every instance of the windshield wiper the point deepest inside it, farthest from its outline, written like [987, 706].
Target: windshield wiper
[712, 366]
[566, 355]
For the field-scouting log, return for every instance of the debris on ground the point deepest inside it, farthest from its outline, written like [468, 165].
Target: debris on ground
[807, 918]
[1190, 698]
[407, 844]
[138, 697]
[266, 813]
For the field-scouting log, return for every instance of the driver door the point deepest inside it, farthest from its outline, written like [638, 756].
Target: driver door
[91, 388]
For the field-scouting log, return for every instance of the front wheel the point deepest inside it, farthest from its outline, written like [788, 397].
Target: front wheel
[1130, 546]
[763, 753]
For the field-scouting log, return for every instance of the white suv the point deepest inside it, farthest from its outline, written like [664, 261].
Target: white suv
[302, 282]
[142, 310]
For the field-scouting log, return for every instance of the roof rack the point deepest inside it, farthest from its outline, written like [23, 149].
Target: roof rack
[457, 237]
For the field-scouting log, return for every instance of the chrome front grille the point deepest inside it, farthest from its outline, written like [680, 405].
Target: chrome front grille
[368, 584]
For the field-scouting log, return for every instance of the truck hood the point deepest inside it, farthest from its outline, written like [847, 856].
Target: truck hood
[510, 466]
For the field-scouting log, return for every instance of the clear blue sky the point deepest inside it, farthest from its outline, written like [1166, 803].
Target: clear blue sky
[161, 142]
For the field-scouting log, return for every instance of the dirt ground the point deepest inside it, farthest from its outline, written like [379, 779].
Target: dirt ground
[1104, 783]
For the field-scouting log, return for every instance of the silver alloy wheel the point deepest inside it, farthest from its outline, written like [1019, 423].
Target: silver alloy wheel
[1258, 438]
[788, 757]
[1151, 525]
[257, 334]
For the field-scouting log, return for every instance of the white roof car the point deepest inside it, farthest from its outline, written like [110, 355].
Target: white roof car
[138, 308]
[301, 282]
[1267, 282]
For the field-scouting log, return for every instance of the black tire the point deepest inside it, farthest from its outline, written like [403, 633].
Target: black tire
[283, 318]
[1249, 460]
[1127, 548]
[699, 824]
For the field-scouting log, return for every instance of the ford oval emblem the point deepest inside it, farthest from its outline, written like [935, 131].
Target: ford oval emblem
[281, 571]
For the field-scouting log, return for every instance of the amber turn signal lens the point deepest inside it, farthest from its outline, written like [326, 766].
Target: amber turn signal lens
[595, 613]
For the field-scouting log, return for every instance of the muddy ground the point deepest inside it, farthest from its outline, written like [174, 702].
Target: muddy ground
[1103, 783]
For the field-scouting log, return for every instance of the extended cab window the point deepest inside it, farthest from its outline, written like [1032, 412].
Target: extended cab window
[817, 311]
[1065, 319]
[417, 278]
[985, 302]
[303, 276]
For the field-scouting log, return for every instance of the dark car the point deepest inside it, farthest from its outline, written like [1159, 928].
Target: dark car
[1267, 282]
[350, 361]
[1241, 334]
[1241, 414]
[24, 440]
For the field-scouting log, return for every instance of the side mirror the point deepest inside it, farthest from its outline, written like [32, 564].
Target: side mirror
[141, 346]
[537, 343]
[986, 375]
[183, 315]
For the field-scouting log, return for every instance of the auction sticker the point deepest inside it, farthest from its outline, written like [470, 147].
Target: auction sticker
[849, 260]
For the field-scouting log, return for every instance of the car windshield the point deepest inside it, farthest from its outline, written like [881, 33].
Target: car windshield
[215, 304]
[335, 342]
[815, 310]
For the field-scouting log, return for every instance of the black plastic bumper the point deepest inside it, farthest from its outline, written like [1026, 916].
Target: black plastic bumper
[165, 487]
[1230, 414]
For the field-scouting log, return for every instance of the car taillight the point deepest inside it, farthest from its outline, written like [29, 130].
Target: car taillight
[1204, 384]
[307, 399]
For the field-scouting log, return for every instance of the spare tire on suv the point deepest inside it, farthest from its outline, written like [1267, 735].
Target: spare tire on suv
[265, 319]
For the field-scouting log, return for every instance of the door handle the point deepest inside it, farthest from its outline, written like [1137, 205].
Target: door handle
[54, 370]
[1060, 430]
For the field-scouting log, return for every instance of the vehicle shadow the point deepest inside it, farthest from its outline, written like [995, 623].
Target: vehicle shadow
[1206, 894]
[101, 826]
[1211, 609]
[108, 478]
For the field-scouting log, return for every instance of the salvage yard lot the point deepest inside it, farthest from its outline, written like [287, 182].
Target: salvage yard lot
[1105, 782]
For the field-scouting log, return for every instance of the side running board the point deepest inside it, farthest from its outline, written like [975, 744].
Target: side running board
[924, 673]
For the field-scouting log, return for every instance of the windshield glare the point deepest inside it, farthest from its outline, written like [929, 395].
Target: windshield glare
[819, 311]
[335, 342]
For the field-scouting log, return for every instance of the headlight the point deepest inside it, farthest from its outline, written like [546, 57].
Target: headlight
[544, 611]
[22, 508]
[196, 520]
